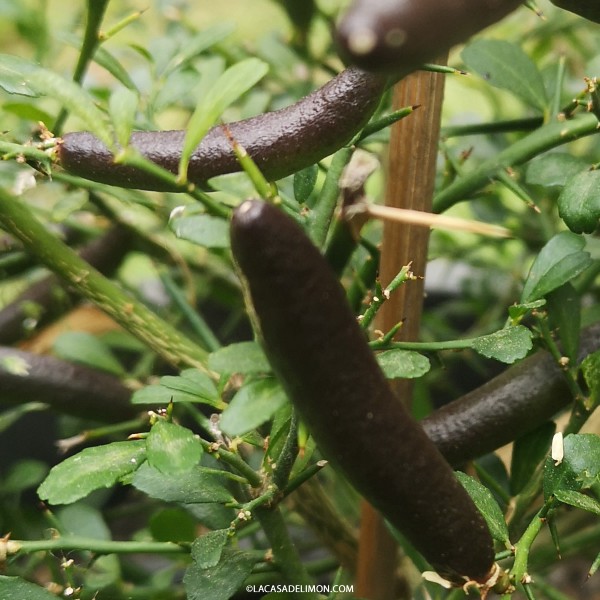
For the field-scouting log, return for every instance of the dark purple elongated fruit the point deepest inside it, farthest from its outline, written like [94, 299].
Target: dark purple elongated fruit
[321, 356]
[396, 36]
[280, 142]
[506, 407]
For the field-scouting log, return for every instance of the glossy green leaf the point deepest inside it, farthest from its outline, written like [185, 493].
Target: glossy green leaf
[579, 202]
[241, 357]
[203, 230]
[221, 581]
[15, 588]
[13, 75]
[235, 82]
[484, 501]
[564, 310]
[304, 183]
[506, 345]
[172, 448]
[86, 349]
[208, 548]
[504, 65]
[554, 169]
[254, 404]
[528, 452]
[91, 469]
[197, 486]
[579, 468]
[122, 107]
[578, 500]
[559, 261]
[403, 364]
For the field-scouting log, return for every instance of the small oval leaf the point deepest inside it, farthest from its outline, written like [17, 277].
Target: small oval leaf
[254, 404]
[172, 448]
[483, 499]
[579, 202]
[559, 261]
[403, 364]
[91, 469]
[506, 66]
[506, 345]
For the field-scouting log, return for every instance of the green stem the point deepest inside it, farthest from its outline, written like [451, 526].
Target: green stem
[546, 137]
[133, 158]
[523, 546]
[136, 318]
[91, 40]
[235, 461]
[70, 543]
[197, 322]
[509, 126]
[423, 346]
[285, 554]
[287, 456]
[324, 209]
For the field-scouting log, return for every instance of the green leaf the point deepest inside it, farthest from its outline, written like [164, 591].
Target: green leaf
[304, 183]
[23, 475]
[172, 448]
[590, 368]
[484, 501]
[208, 548]
[578, 500]
[200, 42]
[76, 100]
[197, 486]
[173, 524]
[13, 75]
[86, 349]
[15, 588]
[203, 230]
[554, 169]
[220, 582]
[236, 81]
[122, 107]
[114, 67]
[91, 469]
[559, 261]
[528, 452]
[564, 310]
[254, 404]
[190, 386]
[595, 566]
[403, 364]
[506, 66]
[579, 468]
[191, 381]
[506, 345]
[242, 357]
[517, 311]
[579, 202]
